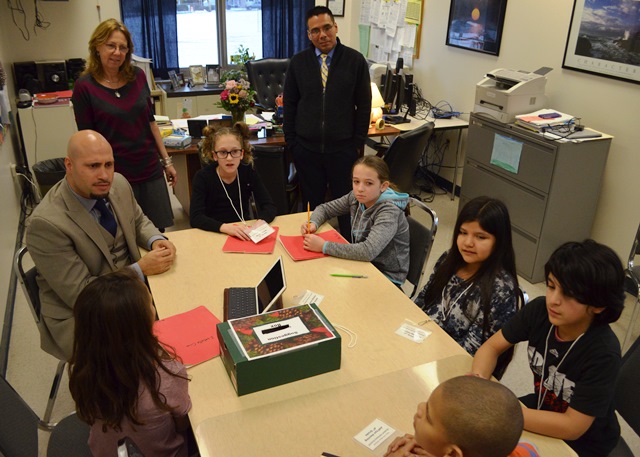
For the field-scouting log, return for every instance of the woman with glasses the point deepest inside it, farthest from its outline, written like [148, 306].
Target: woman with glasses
[220, 192]
[112, 97]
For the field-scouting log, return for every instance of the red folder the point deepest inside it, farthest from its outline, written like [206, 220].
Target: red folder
[294, 245]
[264, 246]
[192, 334]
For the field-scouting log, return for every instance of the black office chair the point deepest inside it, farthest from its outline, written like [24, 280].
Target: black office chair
[31, 291]
[267, 76]
[269, 163]
[626, 396]
[404, 153]
[420, 242]
[19, 429]
[633, 273]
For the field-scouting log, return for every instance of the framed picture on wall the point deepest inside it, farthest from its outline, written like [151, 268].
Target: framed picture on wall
[604, 39]
[476, 26]
[336, 7]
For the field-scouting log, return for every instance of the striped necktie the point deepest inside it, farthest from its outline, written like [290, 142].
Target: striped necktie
[324, 70]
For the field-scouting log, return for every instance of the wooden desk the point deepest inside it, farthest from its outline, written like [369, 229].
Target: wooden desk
[187, 162]
[373, 308]
[327, 420]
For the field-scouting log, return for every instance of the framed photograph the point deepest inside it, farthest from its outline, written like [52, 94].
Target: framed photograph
[197, 74]
[336, 7]
[476, 26]
[213, 74]
[175, 80]
[603, 39]
[181, 79]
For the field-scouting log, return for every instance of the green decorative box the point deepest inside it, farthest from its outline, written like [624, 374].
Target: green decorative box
[267, 350]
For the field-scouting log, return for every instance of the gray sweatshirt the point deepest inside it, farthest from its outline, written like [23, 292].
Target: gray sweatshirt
[380, 234]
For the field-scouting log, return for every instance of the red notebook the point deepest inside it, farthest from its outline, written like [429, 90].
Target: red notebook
[264, 246]
[294, 247]
[192, 334]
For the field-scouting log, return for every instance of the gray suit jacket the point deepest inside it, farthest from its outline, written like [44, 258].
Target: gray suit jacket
[69, 251]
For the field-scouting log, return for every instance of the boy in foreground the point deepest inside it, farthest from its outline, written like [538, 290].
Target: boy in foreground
[466, 416]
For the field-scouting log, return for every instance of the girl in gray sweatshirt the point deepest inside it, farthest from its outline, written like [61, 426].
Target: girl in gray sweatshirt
[380, 231]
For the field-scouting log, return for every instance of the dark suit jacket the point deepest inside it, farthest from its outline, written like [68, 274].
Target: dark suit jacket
[69, 251]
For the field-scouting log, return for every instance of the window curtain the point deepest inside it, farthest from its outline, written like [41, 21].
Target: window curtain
[284, 27]
[154, 30]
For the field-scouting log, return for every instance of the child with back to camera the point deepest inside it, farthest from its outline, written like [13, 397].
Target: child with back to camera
[124, 383]
[221, 190]
[466, 417]
[379, 227]
[573, 353]
[474, 289]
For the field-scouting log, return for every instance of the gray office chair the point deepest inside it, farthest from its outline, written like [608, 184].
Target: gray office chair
[626, 396]
[31, 291]
[267, 76]
[633, 272]
[420, 242]
[19, 430]
[404, 153]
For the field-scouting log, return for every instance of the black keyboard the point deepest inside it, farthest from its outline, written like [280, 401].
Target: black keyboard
[242, 302]
[389, 119]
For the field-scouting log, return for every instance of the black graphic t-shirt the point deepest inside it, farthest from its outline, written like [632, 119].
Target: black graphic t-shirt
[585, 380]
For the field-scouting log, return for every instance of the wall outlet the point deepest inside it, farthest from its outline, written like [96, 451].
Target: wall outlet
[14, 174]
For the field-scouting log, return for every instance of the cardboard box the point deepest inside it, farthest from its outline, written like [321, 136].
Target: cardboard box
[298, 352]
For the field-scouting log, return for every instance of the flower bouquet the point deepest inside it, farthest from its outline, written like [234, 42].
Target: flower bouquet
[237, 97]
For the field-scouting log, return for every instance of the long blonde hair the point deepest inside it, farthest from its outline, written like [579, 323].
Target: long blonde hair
[99, 37]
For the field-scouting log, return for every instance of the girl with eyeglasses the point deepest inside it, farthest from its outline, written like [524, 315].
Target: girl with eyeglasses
[221, 190]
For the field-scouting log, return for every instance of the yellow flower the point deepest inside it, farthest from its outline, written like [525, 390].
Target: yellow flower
[234, 99]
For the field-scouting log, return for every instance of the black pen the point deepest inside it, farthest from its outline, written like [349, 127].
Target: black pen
[326, 454]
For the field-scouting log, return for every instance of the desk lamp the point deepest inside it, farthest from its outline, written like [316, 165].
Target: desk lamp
[376, 104]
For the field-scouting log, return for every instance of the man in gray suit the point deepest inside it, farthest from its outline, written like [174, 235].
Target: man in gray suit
[87, 225]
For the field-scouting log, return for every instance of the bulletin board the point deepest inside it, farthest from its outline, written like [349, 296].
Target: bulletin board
[390, 29]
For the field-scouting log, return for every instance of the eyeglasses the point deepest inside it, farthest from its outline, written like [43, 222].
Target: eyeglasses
[112, 48]
[235, 153]
[326, 29]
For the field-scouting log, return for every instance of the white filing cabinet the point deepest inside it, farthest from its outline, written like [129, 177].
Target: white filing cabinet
[199, 105]
[552, 198]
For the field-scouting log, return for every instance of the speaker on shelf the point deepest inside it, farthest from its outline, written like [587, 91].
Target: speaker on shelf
[25, 76]
[53, 76]
[74, 69]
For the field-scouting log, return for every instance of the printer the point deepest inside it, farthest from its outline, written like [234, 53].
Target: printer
[504, 93]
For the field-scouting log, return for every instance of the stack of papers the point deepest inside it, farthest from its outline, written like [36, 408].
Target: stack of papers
[542, 120]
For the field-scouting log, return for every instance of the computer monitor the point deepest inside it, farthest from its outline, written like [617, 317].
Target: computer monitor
[390, 89]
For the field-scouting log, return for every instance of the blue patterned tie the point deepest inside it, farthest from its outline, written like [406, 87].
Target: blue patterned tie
[107, 220]
[324, 70]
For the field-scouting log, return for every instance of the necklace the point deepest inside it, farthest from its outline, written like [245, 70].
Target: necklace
[241, 215]
[447, 306]
[542, 394]
[117, 92]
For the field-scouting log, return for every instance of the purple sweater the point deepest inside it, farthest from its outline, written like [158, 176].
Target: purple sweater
[124, 121]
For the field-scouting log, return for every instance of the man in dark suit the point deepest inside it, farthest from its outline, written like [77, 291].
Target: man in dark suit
[327, 108]
[87, 225]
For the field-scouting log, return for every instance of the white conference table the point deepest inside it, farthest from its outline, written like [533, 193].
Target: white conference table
[328, 420]
[373, 308]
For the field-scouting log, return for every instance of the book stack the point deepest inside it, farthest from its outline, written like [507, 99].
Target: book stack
[546, 120]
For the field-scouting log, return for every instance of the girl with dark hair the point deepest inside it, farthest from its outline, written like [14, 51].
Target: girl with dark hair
[221, 190]
[474, 288]
[379, 227]
[573, 353]
[124, 383]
